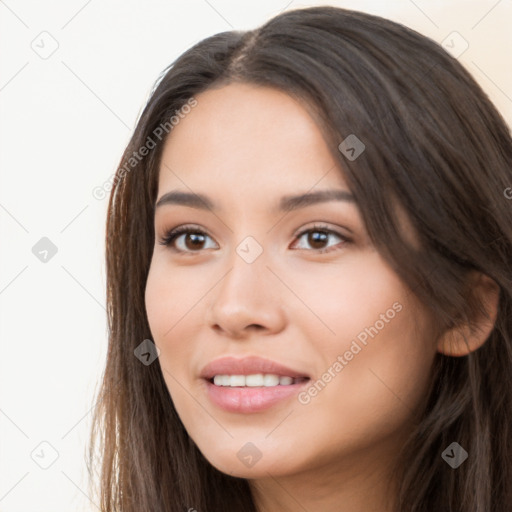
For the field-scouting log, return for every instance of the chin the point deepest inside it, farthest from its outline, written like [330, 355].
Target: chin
[247, 462]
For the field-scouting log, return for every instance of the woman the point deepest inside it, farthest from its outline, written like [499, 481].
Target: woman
[253, 365]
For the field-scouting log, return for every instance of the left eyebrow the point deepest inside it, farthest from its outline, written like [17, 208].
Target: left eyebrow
[287, 203]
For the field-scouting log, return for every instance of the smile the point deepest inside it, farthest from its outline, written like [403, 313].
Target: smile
[255, 380]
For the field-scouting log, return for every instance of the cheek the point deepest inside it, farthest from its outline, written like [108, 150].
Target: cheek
[170, 296]
[169, 308]
[371, 397]
[349, 298]
[378, 354]
[172, 314]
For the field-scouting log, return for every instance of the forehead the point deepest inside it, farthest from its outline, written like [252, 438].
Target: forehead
[249, 141]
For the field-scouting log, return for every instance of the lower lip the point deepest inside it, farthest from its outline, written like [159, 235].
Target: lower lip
[250, 399]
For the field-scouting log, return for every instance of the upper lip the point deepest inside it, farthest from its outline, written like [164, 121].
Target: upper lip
[247, 366]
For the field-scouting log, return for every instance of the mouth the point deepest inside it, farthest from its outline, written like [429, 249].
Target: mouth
[250, 384]
[255, 380]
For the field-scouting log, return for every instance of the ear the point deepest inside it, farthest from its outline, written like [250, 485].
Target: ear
[462, 339]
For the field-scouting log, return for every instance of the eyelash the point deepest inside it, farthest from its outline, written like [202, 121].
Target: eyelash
[170, 237]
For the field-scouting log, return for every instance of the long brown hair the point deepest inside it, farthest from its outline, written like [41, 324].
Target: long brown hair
[434, 145]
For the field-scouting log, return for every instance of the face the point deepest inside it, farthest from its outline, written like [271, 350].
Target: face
[302, 287]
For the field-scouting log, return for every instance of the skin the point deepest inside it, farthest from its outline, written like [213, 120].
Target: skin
[246, 147]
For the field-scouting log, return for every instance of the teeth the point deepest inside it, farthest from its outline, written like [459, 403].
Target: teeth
[236, 380]
[255, 380]
[270, 380]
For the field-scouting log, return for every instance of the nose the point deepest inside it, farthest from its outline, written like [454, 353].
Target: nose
[247, 299]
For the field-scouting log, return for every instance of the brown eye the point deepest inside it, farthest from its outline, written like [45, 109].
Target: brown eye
[317, 239]
[318, 236]
[193, 239]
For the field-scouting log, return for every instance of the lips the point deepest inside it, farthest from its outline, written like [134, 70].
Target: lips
[248, 366]
[247, 398]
